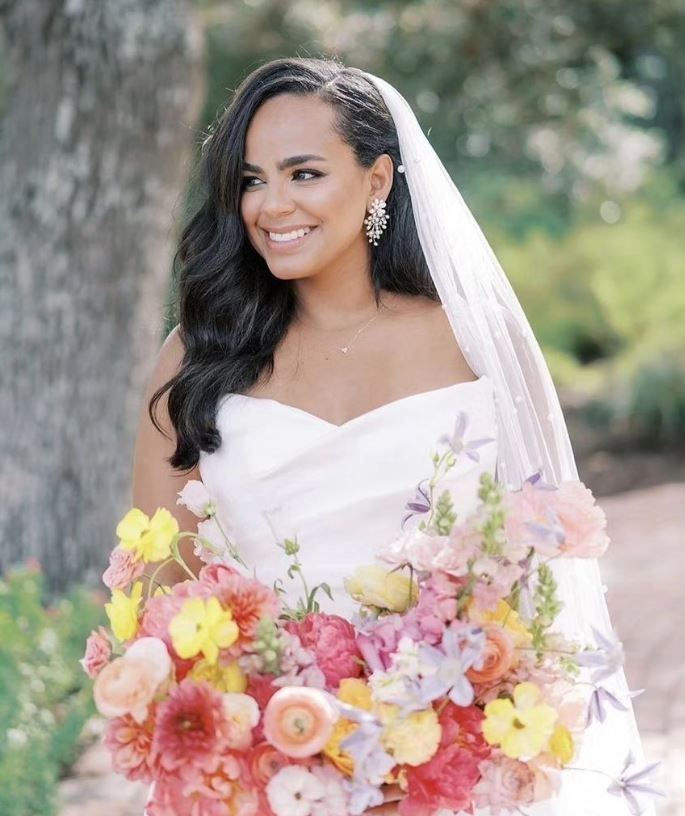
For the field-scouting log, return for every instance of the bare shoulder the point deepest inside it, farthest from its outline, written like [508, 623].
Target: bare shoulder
[426, 325]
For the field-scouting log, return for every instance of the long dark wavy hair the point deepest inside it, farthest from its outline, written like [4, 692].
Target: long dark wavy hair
[232, 311]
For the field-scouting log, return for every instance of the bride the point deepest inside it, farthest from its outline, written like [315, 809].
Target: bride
[338, 308]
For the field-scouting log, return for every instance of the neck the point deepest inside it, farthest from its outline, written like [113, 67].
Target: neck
[337, 298]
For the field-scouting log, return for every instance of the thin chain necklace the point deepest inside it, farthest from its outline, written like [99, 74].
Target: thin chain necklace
[346, 348]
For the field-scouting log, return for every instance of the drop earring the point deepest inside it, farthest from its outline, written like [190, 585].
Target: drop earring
[377, 220]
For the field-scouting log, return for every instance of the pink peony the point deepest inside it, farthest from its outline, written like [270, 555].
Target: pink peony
[505, 785]
[191, 726]
[98, 652]
[248, 599]
[332, 639]
[123, 569]
[583, 521]
[130, 744]
[571, 508]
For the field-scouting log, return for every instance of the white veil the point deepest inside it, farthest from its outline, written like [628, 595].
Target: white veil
[496, 339]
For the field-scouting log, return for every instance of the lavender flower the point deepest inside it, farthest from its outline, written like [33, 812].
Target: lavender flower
[456, 440]
[600, 699]
[633, 783]
[605, 660]
[419, 504]
[449, 666]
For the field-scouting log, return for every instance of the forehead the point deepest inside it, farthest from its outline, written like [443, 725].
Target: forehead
[291, 124]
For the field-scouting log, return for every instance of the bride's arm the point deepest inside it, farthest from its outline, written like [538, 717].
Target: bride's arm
[155, 483]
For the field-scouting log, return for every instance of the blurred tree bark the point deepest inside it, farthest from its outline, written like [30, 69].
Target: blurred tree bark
[95, 150]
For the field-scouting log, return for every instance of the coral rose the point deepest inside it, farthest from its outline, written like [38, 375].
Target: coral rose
[333, 641]
[265, 761]
[498, 655]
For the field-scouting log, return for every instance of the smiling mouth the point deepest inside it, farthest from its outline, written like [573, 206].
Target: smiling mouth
[288, 239]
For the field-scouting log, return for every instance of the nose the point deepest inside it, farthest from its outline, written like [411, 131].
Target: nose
[277, 200]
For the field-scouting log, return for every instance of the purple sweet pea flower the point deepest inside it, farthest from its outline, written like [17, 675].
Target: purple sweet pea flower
[633, 783]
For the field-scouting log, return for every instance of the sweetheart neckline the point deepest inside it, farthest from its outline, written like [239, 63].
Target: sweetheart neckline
[366, 414]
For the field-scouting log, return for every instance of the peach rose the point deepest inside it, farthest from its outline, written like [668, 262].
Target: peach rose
[299, 721]
[498, 655]
[128, 684]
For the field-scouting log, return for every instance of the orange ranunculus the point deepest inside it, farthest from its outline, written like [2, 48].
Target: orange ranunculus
[299, 721]
[498, 655]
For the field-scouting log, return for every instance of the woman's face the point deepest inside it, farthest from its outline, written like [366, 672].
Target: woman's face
[299, 175]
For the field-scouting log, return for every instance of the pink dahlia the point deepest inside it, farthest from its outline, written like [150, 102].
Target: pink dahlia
[130, 744]
[333, 641]
[191, 726]
[248, 599]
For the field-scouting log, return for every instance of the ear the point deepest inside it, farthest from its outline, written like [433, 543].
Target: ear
[380, 178]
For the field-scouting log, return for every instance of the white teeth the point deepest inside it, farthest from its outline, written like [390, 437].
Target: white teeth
[289, 236]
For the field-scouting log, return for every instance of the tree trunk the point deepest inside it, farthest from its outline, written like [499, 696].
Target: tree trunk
[95, 149]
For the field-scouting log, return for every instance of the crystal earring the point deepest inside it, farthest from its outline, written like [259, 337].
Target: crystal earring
[377, 220]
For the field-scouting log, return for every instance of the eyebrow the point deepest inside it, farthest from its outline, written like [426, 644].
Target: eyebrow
[286, 163]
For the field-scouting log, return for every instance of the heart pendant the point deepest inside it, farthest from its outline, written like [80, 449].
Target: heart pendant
[345, 349]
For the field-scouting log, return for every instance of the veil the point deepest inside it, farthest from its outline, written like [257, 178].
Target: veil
[496, 339]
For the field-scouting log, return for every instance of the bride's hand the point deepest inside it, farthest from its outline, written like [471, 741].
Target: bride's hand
[391, 796]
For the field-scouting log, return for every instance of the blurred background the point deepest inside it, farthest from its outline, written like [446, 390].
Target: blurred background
[563, 124]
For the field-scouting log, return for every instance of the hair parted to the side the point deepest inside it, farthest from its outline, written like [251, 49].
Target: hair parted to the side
[232, 311]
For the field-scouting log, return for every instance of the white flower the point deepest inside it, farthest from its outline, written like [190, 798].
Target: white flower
[196, 498]
[333, 802]
[406, 660]
[242, 713]
[294, 791]
[214, 541]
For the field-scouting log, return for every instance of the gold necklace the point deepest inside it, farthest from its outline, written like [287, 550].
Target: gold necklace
[346, 348]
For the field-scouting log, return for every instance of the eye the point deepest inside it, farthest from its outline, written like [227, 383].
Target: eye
[313, 173]
[246, 182]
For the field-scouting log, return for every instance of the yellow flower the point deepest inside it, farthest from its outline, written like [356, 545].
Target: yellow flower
[411, 740]
[202, 626]
[123, 612]
[226, 679]
[561, 744]
[356, 693]
[374, 585]
[150, 539]
[507, 617]
[522, 728]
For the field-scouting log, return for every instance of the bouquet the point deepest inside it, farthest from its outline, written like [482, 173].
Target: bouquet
[450, 681]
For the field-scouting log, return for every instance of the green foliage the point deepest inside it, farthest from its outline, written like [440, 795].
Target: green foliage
[45, 697]
[607, 302]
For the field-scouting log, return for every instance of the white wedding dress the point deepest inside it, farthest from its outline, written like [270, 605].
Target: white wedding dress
[341, 490]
